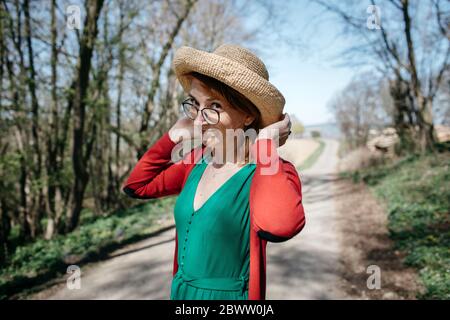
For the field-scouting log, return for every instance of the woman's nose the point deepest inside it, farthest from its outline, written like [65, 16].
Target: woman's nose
[199, 120]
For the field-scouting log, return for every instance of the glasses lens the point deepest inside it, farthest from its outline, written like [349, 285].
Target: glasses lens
[211, 116]
[189, 110]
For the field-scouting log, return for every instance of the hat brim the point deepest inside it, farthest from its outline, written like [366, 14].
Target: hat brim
[265, 96]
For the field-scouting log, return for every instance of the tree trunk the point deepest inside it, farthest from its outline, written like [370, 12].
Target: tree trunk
[52, 167]
[79, 157]
[425, 119]
[38, 199]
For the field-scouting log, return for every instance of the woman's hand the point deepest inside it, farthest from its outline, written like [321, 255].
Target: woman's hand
[278, 130]
[183, 129]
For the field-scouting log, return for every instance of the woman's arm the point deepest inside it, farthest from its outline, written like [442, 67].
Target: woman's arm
[276, 194]
[155, 175]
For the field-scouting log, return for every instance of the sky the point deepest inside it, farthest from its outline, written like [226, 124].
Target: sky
[308, 77]
[308, 87]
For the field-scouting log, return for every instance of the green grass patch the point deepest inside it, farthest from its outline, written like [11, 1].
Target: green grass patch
[416, 191]
[313, 157]
[42, 260]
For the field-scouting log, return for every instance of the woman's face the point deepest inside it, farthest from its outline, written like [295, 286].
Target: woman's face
[230, 118]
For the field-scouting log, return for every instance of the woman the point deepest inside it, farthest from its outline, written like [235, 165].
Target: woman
[226, 210]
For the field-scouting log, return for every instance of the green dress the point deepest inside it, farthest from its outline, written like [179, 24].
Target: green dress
[214, 241]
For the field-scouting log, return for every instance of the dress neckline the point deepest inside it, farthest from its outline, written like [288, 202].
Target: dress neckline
[205, 164]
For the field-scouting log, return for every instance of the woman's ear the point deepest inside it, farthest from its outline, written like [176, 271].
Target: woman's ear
[249, 120]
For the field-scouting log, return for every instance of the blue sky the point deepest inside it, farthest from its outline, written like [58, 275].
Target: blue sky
[308, 77]
[308, 86]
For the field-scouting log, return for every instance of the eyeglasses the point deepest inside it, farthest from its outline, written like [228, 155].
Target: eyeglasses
[210, 115]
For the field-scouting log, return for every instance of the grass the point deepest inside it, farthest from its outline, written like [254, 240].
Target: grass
[313, 157]
[35, 263]
[416, 191]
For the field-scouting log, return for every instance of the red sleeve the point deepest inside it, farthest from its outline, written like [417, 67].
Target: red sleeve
[155, 175]
[276, 195]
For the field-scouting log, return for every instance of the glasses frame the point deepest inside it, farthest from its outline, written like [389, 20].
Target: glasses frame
[186, 102]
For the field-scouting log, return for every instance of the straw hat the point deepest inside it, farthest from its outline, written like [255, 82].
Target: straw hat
[238, 68]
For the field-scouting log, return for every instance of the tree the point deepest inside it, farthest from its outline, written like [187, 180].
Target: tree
[414, 54]
[78, 106]
[358, 109]
[81, 155]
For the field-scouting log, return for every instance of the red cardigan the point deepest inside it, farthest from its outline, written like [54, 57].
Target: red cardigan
[276, 210]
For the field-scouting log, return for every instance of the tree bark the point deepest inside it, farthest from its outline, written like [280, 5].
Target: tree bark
[52, 138]
[79, 157]
[427, 138]
[38, 200]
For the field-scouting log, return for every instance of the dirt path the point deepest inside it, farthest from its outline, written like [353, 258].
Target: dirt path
[365, 242]
[138, 271]
[345, 236]
[307, 266]
[304, 266]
